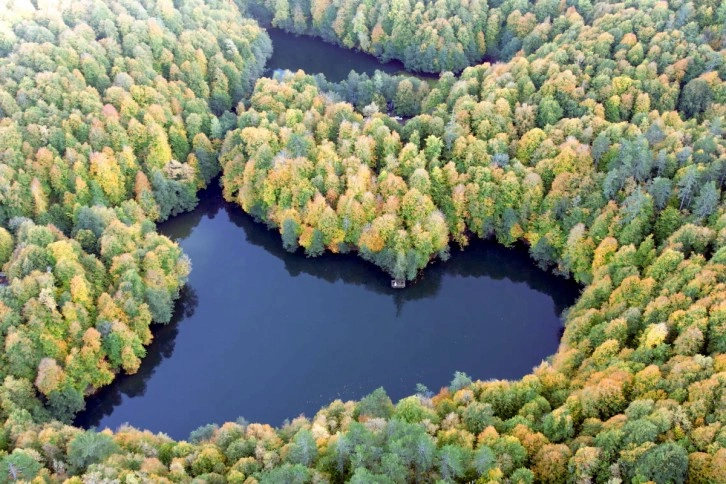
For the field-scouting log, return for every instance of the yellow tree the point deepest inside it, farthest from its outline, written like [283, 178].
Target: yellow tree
[107, 174]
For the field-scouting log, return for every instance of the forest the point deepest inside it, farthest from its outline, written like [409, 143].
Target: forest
[590, 132]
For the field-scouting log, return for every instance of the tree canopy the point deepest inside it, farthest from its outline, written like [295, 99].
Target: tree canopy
[597, 141]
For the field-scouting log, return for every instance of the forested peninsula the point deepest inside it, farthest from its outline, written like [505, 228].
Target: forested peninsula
[590, 132]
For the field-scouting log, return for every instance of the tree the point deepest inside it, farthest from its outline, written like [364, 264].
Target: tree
[90, 447]
[6, 246]
[316, 245]
[108, 174]
[290, 233]
[160, 304]
[484, 460]
[303, 450]
[203, 433]
[159, 152]
[206, 157]
[20, 465]
[377, 404]
[687, 185]
[666, 223]
[548, 112]
[281, 13]
[558, 425]
[529, 143]
[50, 376]
[695, 98]
[65, 403]
[405, 102]
[660, 189]
[667, 463]
[452, 461]
[461, 380]
[707, 200]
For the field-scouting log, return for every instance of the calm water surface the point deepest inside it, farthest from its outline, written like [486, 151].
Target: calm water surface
[313, 55]
[269, 335]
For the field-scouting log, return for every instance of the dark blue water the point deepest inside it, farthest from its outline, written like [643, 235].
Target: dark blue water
[268, 335]
[313, 55]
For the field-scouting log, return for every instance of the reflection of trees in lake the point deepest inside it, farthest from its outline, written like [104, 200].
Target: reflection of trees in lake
[162, 347]
[182, 226]
[481, 259]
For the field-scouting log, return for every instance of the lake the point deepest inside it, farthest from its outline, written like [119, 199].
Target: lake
[268, 335]
[313, 55]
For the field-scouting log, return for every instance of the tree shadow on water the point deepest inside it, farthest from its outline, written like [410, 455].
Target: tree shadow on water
[103, 403]
[481, 259]
[181, 226]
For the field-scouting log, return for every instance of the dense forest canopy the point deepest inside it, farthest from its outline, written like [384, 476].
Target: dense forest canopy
[111, 102]
[449, 35]
[426, 36]
[597, 141]
[562, 148]
[110, 118]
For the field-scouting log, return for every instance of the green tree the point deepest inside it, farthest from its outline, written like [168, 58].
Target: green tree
[303, 450]
[405, 101]
[6, 246]
[695, 98]
[90, 447]
[706, 201]
[20, 465]
[453, 461]
[461, 380]
[290, 233]
[548, 112]
[377, 404]
[667, 463]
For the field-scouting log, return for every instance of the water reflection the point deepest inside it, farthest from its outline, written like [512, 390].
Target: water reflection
[293, 52]
[502, 263]
[161, 348]
[266, 334]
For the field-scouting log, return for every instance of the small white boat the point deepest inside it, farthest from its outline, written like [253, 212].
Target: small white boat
[398, 283]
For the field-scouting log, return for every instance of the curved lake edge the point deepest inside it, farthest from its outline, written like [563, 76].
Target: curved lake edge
[379, 280]
[441, 311]
[332, 61]
[393, 63]
[483, 259]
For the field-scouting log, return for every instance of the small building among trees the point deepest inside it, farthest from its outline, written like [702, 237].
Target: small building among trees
[398, 283]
